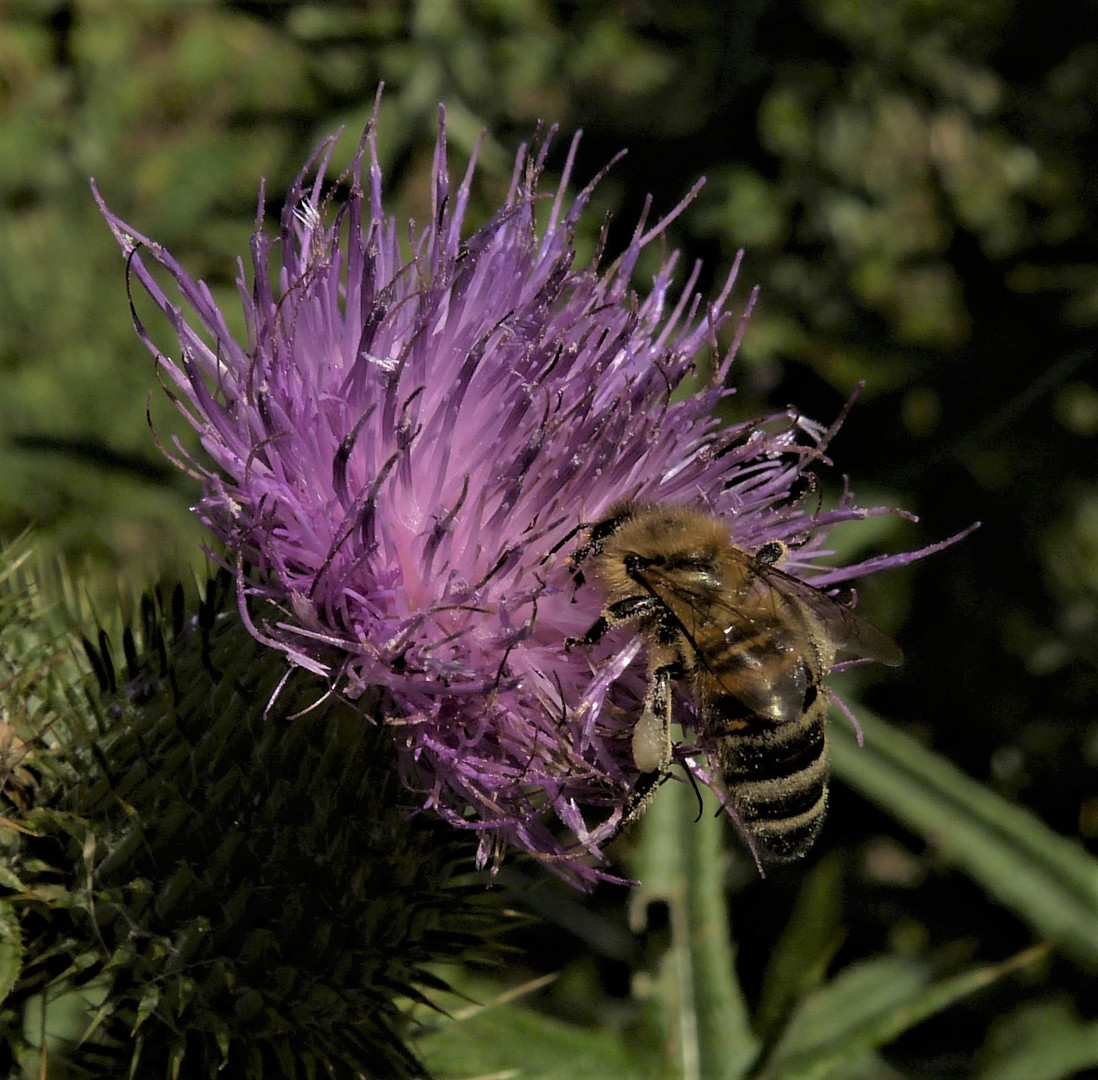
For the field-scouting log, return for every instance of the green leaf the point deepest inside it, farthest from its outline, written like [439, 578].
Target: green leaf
[507, 1039]
[799, 962]
[9, 879]
[697, 1005]
[1043, 877]
[868, 1005]
[11, 949]
[150, 999]
[829, 1020]
[1042, 1041]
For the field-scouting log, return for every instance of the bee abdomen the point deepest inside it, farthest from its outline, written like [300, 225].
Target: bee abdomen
[770, 752]
[776, 777]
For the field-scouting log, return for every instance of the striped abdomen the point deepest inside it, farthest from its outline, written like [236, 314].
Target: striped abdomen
[775, 774]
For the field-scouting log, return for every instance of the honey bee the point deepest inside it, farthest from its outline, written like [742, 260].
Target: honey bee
[754, 646]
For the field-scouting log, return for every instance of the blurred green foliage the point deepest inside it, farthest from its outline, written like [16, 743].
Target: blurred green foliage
[913, 184]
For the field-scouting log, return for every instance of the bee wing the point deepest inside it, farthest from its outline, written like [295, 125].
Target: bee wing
[749, 636]
[764, 588]
[849, 634]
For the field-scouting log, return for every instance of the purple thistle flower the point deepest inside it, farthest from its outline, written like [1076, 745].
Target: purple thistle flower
[405, 445]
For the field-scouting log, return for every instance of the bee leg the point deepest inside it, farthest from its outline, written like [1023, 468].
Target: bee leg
[580, 553]
[597, 632]
[771, 553]
[652, 734]
[651, 744]
[632, 607]
[597, 534]
[600, 532]
[639, 797]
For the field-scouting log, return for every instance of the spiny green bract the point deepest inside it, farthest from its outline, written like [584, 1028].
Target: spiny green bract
[197, 885]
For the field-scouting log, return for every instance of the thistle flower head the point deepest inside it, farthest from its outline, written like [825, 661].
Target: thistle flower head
[402, 448]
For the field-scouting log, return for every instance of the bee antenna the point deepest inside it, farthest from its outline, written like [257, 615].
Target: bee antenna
[698, 796]
[560, 543]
